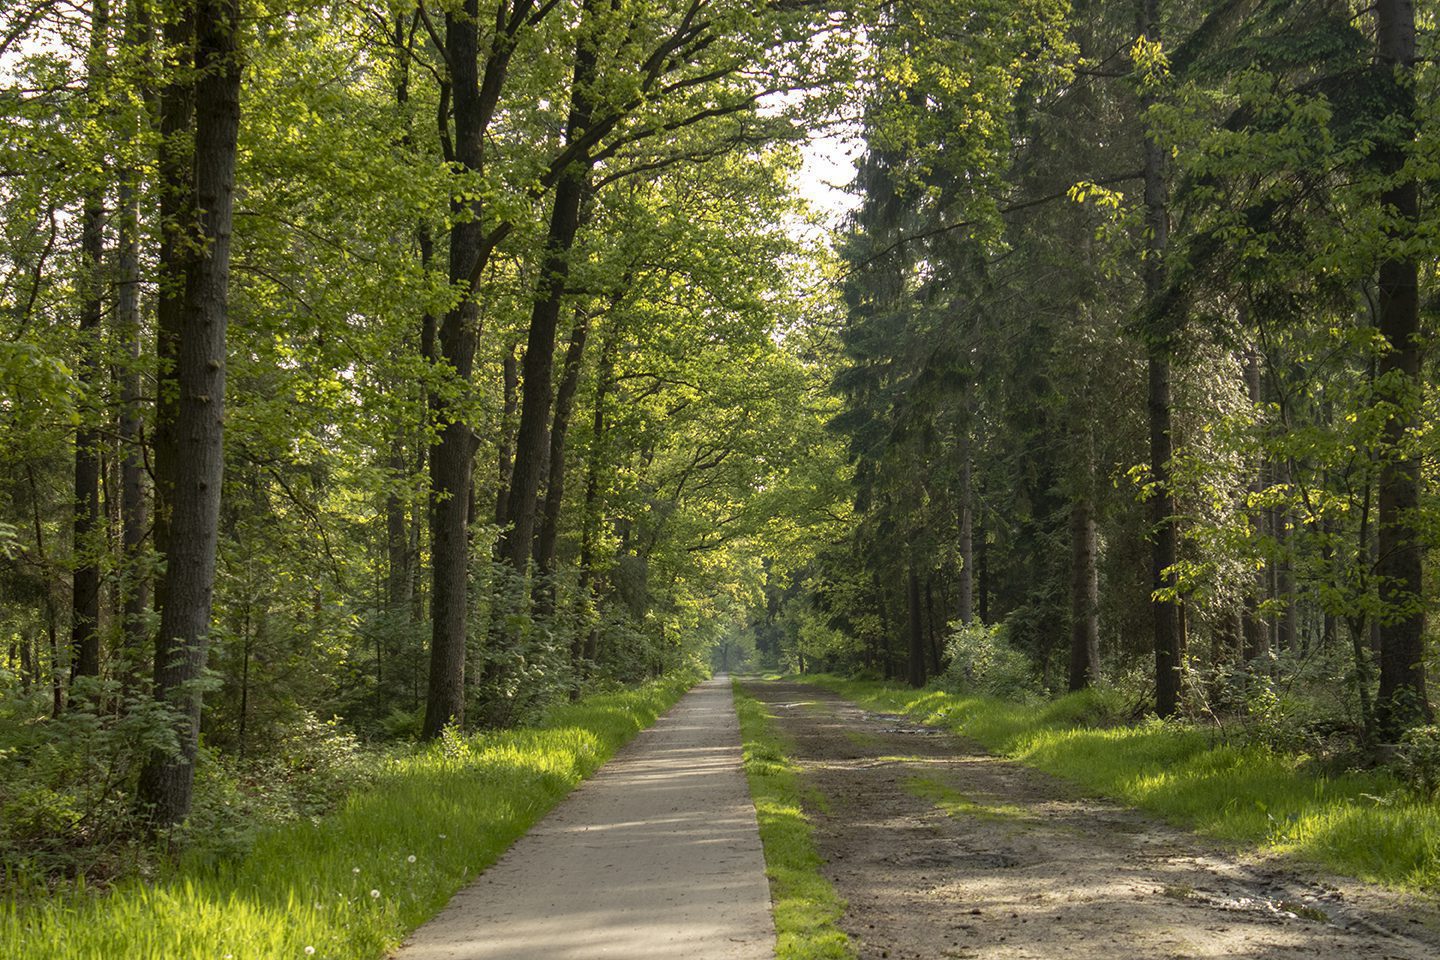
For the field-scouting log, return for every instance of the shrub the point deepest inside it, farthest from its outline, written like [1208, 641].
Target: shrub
[1417, 760]
[980, 658]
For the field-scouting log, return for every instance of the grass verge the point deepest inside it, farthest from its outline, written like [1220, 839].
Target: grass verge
[806, 905]
[351, 885]
[1358, 824]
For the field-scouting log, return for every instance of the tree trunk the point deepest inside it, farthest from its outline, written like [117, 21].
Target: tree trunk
[1256, 629]
[590, 521]
[916, 657]
[967, 547]
[1402, 700]
[1169, 635]
[510, 378]
[982, 577]
[88, 521]
[176, 188]
[452, 460]
[134, 515]
[167, 780]
[555, 485]
[1084, 596]
[398, 583]
[532, 438]
[932, 634]
[1286, 634]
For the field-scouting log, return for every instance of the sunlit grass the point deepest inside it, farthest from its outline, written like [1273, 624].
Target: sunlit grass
[353, 884]
[1359, 824]
[806, 905]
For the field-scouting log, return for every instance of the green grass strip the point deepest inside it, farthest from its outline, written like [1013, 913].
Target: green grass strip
[1357, 824]
[353, 884]
[806, 905]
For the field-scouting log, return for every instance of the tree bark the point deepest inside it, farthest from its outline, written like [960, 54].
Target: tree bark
[1084, 596]
[452, 460]
[1169, 634]
[1286, 634]
[134, 512]
[88, 521]
[510, 380]
[1256, 629]
[967, 546]
[555, 485]
[1402, 700]
[590, 521]
[916, 654]
[166, 783]
[532, 438]
[982, 577]
[398, 582]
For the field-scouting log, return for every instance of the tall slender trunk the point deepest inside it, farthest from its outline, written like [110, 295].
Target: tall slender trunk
[564, 406]
[932, 634]
[398, 583]
[88, 521]
[532, 439]
[982, 577]
[1286, 620]
[967, 546]
[167, 780]
[590, 521]
[176, 189]
[510, 384]
[1256, 629]
[915, 659]
[1169, 632]
[134, 512]
[452, 460]
[1084, 596]
[1402, 700]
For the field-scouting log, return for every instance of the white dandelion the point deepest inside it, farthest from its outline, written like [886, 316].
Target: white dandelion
[410, 859]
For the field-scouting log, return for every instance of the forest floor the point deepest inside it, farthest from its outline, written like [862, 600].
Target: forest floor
[944, 850]
[656, 857]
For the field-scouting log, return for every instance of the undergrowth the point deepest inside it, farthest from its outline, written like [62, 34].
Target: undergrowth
[1362, 824]
[806, 906]
[352, 884]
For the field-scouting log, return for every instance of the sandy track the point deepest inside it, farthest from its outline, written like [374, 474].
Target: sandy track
[1024, 868]
[657, 857]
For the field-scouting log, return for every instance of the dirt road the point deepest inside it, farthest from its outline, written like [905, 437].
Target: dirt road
[942, 850]
[657, 857]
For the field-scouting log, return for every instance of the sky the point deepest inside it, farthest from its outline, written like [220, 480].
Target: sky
[828, 167]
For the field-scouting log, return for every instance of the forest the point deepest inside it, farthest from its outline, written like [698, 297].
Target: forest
[378, 374]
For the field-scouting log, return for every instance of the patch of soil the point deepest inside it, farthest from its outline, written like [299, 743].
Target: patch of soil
[943, 850]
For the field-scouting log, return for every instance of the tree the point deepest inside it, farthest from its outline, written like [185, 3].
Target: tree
[167, 782]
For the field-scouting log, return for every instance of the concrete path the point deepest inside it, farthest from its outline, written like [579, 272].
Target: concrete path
[657, 857]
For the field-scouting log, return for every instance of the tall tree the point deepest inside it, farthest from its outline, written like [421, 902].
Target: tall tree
[1402, 698]
[85, 602]
[167, 782]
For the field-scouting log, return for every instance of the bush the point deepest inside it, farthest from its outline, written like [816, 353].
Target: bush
[67, 782]
[1417, 760]
[981, 659]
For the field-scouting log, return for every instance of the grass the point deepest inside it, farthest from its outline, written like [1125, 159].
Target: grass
[806, 906]
[1357, 824]
[956, 804]
[351, 885]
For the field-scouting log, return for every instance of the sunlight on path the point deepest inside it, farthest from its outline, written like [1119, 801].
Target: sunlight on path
[658, 856]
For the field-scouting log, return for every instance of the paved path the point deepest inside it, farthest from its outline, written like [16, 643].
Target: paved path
[657, 857]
